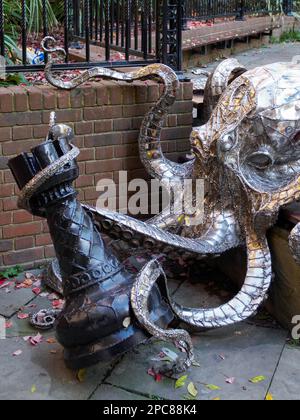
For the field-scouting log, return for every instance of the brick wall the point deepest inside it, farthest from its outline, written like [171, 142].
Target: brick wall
[106, 117]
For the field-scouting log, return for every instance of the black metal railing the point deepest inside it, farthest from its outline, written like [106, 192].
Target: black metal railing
[141, 31]
[212, 9]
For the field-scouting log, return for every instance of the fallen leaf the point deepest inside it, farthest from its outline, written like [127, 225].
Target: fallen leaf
[33, 389]
[36, 340]
[192, 390]
[27, 283]
[269, 397]
[58, 304]
[196, 364]
[36, 290]
[213, 387]
[23, 316]
[257, 379]
[222, 357]
[17, 353]
[81, 375]
[28, 275]
[181, 382]
[51, 340]
[230, 381]
[217, 399]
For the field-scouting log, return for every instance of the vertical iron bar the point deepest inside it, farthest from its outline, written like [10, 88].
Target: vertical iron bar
[66, 31]
[102, 11]
[128, 30]
[112, 21]
[45, 25]
[87, 29]
[123, 24]
[24, 33]
[107, 44]
[2, 44]
[118, 23]
[96, 20]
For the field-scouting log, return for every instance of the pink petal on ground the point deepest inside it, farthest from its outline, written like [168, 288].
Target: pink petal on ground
[17, 353]
[23, 316]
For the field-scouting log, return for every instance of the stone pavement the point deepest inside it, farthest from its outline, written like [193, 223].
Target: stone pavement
[255, 348]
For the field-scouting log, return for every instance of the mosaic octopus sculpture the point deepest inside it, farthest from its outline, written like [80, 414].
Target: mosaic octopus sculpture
[248, 153]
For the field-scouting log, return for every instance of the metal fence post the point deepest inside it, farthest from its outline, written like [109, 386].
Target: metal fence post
[169, 33]
[241, 10]
[2, 47]
[288, 7]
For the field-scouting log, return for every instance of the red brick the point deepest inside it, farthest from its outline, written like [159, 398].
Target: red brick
[76, 97]
[44, 239]
[84, 127]
[6, 100]
[28, 255]
[188, 91]
[6, 245]
[22, 133]
[64, 116]
[63, 99]
[40, 131]
[35, 98]
[8, 177]
[6, 190]
[185, 119]
[104, 153]
[49, 252]
[20, 98]
[121, 124]
[135, 110]
[5, 134]
[106, 112]
[24, 243]
[91, 194]
[5, 218]
[22, 216]
[86, 154]
[102, 94]
[85, 181]
[22, 230]
[89, 96]
[115, 93]
[153, 92]
[15, 148]
[10, 203]
[49, 99]
[103, 126]
[141, 92]
[107, 139]
[103, 166]
[126, 150]
[130, 137]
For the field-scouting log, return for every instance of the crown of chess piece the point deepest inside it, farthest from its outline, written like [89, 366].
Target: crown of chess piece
[98, 320]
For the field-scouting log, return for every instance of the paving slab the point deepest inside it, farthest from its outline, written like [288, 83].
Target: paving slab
[286, 383]
[113, 393]
[15, 299]
[38, 374]
[241, 352]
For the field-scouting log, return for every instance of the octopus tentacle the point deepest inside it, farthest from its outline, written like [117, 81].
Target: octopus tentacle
[294, 242]
[151, 152]
[227, 71]
[250, 297]
[139, 301]
[223, 235]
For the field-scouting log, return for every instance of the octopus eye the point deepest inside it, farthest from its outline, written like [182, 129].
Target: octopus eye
[260, 160]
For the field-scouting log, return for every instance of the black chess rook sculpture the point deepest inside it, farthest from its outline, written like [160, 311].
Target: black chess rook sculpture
[97, 322]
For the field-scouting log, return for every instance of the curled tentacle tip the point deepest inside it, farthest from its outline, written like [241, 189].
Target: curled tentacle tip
[48, 49]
